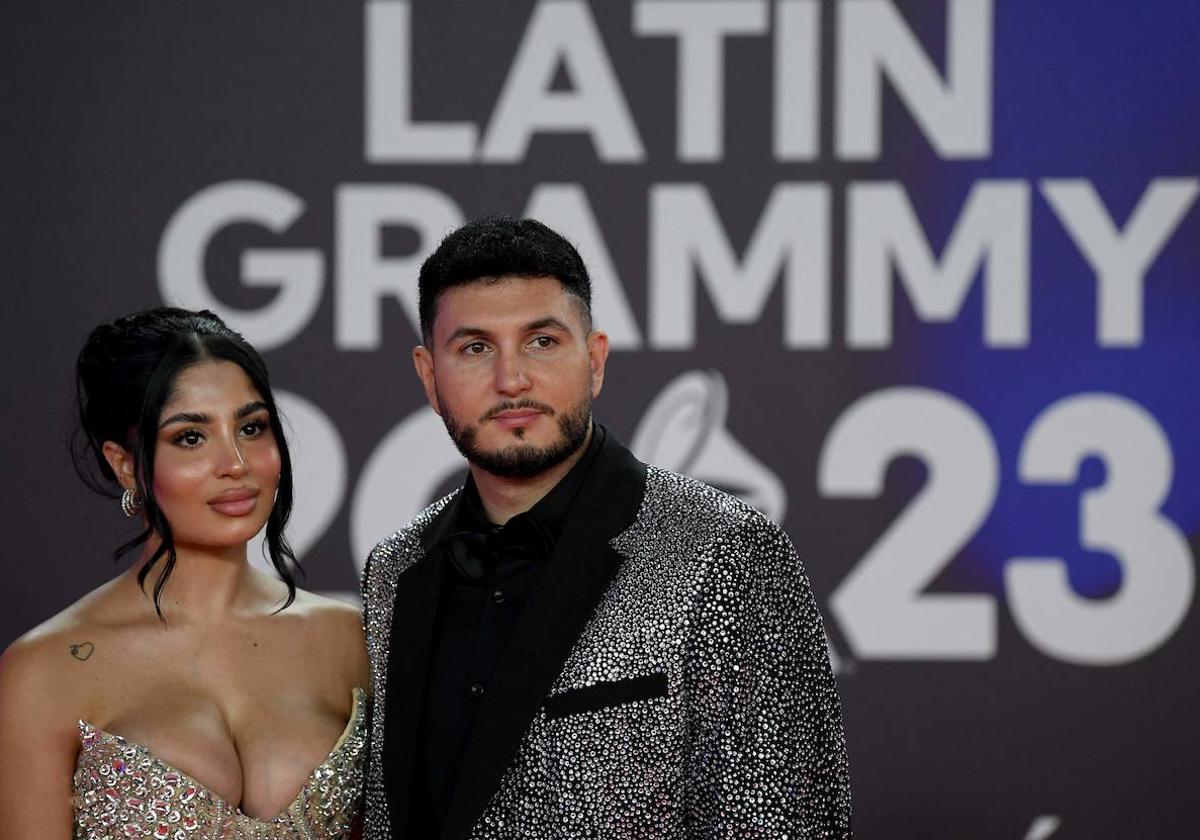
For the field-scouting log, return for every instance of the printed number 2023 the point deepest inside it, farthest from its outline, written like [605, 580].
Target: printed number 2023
[881, 606]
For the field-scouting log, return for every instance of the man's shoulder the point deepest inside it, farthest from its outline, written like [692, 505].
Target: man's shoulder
[739, 547]
[407, 538]
[675, 495]
[685, 502]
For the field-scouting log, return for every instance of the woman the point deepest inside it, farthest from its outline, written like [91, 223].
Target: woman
[191, 695]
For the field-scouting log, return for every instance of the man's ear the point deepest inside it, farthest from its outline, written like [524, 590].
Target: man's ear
[597, 345]
[120, 461]
[423, 362]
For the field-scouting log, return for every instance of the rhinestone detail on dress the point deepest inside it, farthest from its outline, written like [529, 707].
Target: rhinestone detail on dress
[122, 790]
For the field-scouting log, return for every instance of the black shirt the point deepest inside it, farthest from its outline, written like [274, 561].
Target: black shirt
[491, 570]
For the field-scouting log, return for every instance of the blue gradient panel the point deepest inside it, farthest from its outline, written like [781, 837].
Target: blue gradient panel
[1091, 91]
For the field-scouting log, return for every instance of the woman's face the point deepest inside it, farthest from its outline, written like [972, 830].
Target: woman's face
[216, 463]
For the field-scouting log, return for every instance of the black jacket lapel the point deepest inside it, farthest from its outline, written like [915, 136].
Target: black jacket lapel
[414, 613]
[579, 570]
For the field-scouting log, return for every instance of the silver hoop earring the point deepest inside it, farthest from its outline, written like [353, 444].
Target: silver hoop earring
[131, 502]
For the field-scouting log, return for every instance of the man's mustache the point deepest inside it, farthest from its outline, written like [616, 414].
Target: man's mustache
[516, 405]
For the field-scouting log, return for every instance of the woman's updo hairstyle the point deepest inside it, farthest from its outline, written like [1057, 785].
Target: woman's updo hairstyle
[124, 376]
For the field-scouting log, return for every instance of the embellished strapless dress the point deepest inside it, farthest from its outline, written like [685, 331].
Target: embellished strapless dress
[122, 790]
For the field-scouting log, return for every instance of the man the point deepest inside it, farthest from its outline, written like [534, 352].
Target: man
[576, 644]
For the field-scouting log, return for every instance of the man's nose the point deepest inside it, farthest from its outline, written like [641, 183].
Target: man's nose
[511, 376]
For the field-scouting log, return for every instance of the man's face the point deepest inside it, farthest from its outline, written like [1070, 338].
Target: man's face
[512, 371]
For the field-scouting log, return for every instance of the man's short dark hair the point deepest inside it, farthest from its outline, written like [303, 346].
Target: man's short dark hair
[495, 247]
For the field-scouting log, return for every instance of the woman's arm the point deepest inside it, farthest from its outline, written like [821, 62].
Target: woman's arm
[39, 739]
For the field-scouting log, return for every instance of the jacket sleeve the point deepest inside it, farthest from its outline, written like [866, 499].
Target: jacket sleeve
[769, 752]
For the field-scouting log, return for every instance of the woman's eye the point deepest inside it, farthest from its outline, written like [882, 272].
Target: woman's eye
[254, 428]
[189, 438]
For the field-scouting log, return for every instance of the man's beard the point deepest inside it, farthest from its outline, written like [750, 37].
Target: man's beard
[523, 460]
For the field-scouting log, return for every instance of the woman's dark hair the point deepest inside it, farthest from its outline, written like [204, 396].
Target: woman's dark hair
[124, 376]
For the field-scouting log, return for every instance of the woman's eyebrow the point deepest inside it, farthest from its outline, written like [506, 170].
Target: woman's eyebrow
[197, 417]
[249, 408]
[184, 417]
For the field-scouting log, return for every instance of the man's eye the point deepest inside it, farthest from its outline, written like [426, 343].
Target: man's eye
[475, 348]
[543, 341]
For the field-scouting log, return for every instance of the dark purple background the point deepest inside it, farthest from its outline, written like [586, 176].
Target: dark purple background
[115, 116]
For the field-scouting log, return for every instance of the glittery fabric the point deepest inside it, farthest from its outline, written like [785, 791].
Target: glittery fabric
[387, 560]
[748, 742]
[122, 790]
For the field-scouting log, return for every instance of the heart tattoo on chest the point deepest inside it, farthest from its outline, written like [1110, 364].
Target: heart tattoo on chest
[82, 650]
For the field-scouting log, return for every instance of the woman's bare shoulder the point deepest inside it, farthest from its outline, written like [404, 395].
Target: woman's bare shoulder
[45, 673]
[47, 680]
[324, 608]
[58, 633]
[338, 625]
[65, 652]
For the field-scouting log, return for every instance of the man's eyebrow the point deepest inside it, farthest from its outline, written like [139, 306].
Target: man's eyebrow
[543, 323]
[249, 408]
[465, 332]
[184, 417]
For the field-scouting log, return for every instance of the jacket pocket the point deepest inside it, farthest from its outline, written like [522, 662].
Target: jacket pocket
[604, 695]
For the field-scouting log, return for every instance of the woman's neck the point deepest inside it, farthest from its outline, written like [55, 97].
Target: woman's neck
[207, 585]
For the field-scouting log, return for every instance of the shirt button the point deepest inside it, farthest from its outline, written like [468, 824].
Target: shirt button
[498, 596]
[477, 690]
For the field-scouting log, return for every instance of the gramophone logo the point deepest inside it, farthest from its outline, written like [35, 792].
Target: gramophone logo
[684, 430]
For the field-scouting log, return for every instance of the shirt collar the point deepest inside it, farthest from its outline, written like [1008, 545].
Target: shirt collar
[549, 515]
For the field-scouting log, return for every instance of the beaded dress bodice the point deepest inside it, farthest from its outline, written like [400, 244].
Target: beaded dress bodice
[123, 790]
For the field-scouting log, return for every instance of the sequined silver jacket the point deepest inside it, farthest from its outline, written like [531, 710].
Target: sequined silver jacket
[668, 678]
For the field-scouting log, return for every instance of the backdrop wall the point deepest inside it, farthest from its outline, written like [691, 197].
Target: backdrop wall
[917, 280]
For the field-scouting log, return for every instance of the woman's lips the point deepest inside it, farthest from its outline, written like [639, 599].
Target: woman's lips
[236, 502]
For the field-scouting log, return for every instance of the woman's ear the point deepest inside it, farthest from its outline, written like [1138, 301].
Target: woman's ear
[121, 463]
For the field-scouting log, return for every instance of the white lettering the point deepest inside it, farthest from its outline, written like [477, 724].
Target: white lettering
[701, 29]
[792, 239]
[565, 208]
[797, 79]
[562, 33]
[883, 232]
[319, 471]
[1120, 258]
[298, 273]
[391, 134]
[364, 276]
[881, 605]
[873, 42]
[1121, 518]
[400, 478]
